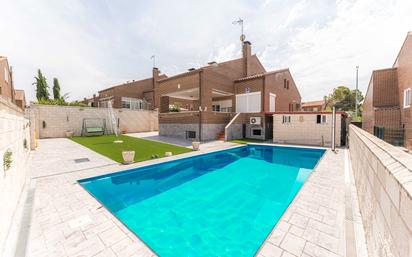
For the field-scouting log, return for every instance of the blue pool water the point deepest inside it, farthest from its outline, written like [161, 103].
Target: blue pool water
[218, 204]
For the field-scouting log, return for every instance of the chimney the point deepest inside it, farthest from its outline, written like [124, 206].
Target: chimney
[247, 54]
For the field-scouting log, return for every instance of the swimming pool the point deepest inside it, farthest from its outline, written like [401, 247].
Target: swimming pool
[218, 204]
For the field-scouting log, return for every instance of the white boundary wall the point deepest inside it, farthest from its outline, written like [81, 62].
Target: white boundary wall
[14, 129]
[383, 178]
[304, 130]
[59, 119]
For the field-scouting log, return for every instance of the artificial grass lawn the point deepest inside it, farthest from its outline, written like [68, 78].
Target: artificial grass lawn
[245, 141]
[144, 149]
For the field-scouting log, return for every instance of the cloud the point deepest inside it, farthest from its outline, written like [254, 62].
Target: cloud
[367, 33]
[90, 45]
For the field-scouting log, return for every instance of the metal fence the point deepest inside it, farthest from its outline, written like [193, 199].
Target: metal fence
[394, 136]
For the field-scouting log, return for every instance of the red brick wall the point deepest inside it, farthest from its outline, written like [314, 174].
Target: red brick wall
[385, 83]
[404, 66]
[274, 83]
[368, 115]
[5, 87]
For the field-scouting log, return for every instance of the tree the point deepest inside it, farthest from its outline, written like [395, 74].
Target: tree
[42, 89]
[343, 98]
[56, 89]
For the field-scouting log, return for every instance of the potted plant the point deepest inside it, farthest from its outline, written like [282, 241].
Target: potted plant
[69, 133]
[128, 156]
[195, 145]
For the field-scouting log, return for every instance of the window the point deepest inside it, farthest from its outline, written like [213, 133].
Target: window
[132, 103]
[320, 119]
[286, 119]
[286, 83]
[216, 108]
[248, 103]
[190, 134]
[256, 132]
[407, 98]
[226, 109]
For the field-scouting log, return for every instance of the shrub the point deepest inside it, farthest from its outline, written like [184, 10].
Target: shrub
[7, 159]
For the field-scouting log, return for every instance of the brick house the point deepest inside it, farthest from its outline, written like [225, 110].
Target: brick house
[386, 108]
[130, 95]
[7, 86]
[314, 106]
[20, 98]
[200, 103]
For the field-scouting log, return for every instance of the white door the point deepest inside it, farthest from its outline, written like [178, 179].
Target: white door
[272, 102]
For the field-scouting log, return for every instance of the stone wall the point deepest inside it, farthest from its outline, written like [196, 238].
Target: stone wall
[15, 139]
[178, 130]
[52, 121]
[209, 131]
[383, 177]
[304, 130]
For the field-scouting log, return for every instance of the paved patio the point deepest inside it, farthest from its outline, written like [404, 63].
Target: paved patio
[57, 217]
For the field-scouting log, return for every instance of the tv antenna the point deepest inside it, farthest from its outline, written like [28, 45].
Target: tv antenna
[240, 22]
[153, 57]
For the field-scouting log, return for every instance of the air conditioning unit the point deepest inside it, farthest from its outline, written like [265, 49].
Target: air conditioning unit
[255, 120]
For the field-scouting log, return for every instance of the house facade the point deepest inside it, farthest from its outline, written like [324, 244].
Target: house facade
[387, 104]
[130, 95]
[7, 86]
[200, 103]
[6, 79]
[314, 106]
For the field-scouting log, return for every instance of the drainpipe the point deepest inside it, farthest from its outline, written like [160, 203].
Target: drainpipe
[200, 105]
[333, 146]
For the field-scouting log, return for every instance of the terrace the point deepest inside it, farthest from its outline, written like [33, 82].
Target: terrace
[353, 202]
[57, 217]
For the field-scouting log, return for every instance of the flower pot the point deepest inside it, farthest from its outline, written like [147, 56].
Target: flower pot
[128, 156]
[69, 133]
[196, 145]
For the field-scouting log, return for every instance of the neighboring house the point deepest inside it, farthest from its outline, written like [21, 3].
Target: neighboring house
[7, 86]
[198, 104]
[20, 98]
[314, 106]
[6, 79]
[387, 105]
[130, 95]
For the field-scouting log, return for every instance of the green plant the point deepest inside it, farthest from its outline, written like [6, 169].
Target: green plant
[56, 89]
[174, 107]
[7, 159]
[61, 101]
[42, 91]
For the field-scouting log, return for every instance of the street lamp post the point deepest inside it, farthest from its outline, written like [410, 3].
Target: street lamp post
[356, 94]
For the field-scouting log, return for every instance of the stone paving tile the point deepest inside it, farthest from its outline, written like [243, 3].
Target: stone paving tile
[315, 219]
[270, 250]
[293, 244]
[67, 221]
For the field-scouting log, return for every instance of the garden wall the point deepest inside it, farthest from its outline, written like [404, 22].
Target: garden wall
[383, 177]
[14, 139]
[52, 121]
[303, 129]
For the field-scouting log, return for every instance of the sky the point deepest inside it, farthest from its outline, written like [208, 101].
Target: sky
[94, 44]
